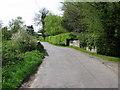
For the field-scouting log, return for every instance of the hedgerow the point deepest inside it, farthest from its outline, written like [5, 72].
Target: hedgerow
[61, 38]
[40, 38]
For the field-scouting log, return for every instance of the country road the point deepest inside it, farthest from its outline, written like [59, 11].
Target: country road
[68, 68]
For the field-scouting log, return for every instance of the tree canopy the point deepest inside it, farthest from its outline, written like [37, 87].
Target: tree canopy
[53, 25]
[99, 19]
[39, 19]
[16, 24]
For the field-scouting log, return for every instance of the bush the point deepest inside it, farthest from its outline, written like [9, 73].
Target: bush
[17, 63]
[9, 55]
[23, 41]
[108, 46]
[6, 34]
[60, 38]
[87, 40]
[40, 38]
[13, 75]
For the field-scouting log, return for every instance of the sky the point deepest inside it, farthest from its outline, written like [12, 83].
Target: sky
[10, 9]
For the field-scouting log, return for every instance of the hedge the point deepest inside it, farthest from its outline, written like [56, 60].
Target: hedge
[60, 39]
[40, 38]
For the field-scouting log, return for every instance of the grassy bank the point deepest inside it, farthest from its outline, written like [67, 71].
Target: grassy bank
[17, 72]
[17, 64]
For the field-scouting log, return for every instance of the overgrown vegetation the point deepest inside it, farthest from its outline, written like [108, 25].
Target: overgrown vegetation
[22, 41]
[14, 74]
[97, 24]
[21, 55]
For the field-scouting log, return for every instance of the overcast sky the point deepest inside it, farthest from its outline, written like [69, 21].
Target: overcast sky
[10, 9]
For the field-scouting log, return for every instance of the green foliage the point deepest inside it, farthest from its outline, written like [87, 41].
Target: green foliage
[61, 38]
[9, 55]
[40, 38]
[23, 41]
[20, 54]
[6, 34]
[73, 15]
[87, 40]
[16, 24]
[101, 22]
[17, 66]
[13, 75]
[53, 25]
[30, 30]
[40, 19]
[110, 36]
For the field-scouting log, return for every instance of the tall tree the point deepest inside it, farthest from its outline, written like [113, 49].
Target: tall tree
[109, 14]
[101, 21]
[53, 25]
[30, 30]
[72, 19]
[40, 19]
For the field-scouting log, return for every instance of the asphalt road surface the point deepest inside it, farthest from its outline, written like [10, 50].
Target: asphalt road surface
[68, 68]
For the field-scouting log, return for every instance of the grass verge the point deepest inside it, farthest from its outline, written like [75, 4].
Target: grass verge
[15, 74]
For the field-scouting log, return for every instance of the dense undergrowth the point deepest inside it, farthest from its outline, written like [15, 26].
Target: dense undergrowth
[18, 66]
[18, 71]
[21, 55]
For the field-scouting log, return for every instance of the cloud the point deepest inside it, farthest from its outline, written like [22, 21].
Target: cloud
[10, 9]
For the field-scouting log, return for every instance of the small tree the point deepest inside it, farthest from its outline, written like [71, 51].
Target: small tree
[23, 41]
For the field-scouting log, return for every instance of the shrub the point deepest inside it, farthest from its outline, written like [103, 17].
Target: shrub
[6, 34]
[23, 41]
[87, 40]
[40, 38]
[9, 55]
